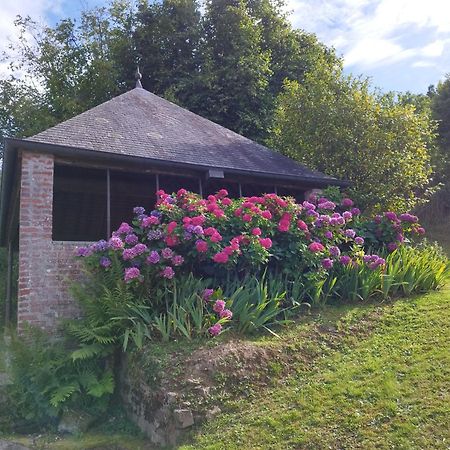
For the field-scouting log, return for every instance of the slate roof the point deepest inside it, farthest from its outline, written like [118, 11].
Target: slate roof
[141, 124]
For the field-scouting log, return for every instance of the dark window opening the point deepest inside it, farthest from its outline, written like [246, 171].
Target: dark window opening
[79, 204]
[213, 185]
[249, 190]
[298, 194]
[127, 191]
[172, 183]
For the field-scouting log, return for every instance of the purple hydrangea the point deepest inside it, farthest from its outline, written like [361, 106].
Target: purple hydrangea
[105, 262]
[115, 243]
[345, 260]
[328, 234]
[327, 205]
[355, 211]
[408, 218]
[350, 233]
[155, 235]
[308, 205]
[334, 251]
[198, 230]
[390, 215]
[347, 215]
[153, 258]
[327, 263]
[167, 253]
[83, 251]
[207, 293]
[125, 228]
[392, 246]
[131, 239]
[132, 273]
[359, 240]
[139, 210]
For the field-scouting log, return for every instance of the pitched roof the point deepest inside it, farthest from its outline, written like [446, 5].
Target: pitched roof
[141, 124]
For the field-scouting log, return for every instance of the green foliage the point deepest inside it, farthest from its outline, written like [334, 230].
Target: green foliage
[113, 314]
[225, 60]
[335, 124]
[46, 380]
[409, 270]
[254, 304]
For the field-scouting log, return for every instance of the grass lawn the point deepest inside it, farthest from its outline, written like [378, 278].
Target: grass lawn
[388, 389]
[361, 376]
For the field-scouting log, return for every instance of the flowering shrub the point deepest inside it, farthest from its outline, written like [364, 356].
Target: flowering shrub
[216, 236]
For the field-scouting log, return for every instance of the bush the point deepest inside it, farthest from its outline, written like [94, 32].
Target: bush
[316, 247]
[47, 380]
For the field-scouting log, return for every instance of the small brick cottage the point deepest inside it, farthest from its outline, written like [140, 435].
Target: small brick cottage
[77, 181]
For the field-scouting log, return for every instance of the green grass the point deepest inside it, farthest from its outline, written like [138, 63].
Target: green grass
[386, 389]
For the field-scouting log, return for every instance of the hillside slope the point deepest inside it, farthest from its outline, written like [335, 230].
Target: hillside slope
[389, 389]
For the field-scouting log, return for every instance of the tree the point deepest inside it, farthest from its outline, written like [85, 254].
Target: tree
[65, 69]
[335, 124]
[232, 86]
[167, 40]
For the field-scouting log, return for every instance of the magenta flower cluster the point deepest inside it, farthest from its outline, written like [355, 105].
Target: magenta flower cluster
[186, 230]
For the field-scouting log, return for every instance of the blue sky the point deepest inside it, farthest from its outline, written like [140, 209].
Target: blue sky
[401, 44]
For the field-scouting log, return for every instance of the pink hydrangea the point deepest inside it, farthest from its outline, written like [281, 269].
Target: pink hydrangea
[201, 246]
[327, 263]
[302, 225]
[266, 214]
[168, 272]
[219, 306]
[215, 330]
[347, 202]
[171, 227]
[256, 231]
[265, 243]
[150, 220]
[177, 260]
[316, 247]
[226, 314]
[216, 237]
[221, 258]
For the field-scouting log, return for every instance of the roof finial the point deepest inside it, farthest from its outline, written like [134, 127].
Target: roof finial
[138, 77]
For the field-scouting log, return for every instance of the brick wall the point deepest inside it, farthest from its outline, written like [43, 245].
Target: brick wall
[46, 268]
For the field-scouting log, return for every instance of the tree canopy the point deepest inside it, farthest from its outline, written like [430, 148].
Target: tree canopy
[241, 64]
[334, 123]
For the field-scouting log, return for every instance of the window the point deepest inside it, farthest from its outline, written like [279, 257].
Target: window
[249, 190]
[172, 183]
[79, 204]
[298, 194]
[212, 185]
[127, 191]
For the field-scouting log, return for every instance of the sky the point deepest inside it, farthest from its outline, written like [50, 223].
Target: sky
[402, 45]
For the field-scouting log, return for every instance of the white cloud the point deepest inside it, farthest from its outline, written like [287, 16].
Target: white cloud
[10, 9]
[374, 33]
